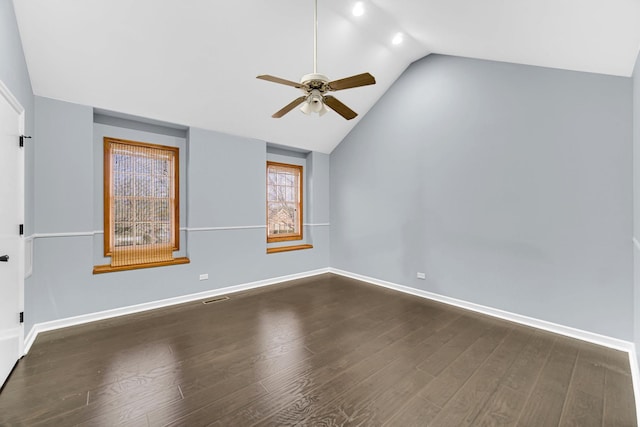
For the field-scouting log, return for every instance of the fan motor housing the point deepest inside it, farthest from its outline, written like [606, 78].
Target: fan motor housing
[315, 81]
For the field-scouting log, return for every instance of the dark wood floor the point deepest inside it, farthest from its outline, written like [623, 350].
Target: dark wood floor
[319, 351]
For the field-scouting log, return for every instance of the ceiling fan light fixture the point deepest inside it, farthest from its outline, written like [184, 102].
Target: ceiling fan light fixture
[306, 108]
[314, 104]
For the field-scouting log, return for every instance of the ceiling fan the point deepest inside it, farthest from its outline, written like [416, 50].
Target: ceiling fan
[315, 86]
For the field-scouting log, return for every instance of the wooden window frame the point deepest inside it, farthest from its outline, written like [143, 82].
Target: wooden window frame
[290, 236]
[108, 212]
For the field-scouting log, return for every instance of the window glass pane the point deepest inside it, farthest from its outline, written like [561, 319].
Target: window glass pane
[273, 194]
[162, 233]
[162, 212]
[121, 163]
[144, 210]
[144, 187]
[282, 218]
[123, 234]
[122, 185]
[161, 186]
[143, 164]
[143, 234]
[123, 209]
[162, 167]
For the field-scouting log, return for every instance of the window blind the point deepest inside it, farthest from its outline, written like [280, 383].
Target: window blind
[142, 203]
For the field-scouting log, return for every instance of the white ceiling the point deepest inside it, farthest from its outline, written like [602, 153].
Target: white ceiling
[194, 62]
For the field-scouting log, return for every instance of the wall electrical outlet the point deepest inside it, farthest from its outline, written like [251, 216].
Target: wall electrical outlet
[421, 276]
[204, 276]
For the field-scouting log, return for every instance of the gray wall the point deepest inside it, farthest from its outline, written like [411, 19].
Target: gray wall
[510, 186]
[223, 216]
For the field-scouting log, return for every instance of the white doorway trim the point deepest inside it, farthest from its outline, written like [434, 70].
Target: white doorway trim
[6, 93]
[19, 109]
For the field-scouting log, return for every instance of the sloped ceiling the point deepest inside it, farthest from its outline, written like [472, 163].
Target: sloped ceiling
[194, 62]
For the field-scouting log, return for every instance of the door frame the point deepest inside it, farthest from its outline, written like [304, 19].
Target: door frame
[19, 109]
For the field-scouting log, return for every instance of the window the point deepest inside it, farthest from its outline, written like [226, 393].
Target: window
[141, 205]
[284, 202]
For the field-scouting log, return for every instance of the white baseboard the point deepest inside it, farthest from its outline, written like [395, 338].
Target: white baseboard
[107, 314]
[29, 339]
[603, 340]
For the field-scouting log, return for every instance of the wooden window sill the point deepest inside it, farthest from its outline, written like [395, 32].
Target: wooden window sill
[288, 248]
[284, 238]
[107, 268]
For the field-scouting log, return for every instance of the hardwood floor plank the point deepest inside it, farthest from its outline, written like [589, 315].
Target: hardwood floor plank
[619, 405]
[417, 412]
[266, 363]
[383, 408]
[200, 409]
[614, 360]
[304, 394]
[465, 406]
[582, 410]
[545, 404]
[297, 396]
[17, 407]
[452, 378]
[584, 405]
[357, 404]
[114, 412]
[502, 408]
[379, 405]
[450, 350]
[335, 359]
[522, 375]
[316, 406]
[320, 365]
[505, 405]
[140, 421]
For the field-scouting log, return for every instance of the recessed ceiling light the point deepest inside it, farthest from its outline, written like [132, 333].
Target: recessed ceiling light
[397, 39]
[358, 9]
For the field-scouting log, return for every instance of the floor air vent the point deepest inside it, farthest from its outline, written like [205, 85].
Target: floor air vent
[218, 299]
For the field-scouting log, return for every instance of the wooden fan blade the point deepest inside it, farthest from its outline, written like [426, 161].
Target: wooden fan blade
[363, 79]
[339, 107]
[279, 80]
[290, 106]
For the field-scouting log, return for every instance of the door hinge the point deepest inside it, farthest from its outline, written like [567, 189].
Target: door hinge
[21, 229]
[22, 317]
[22, 138]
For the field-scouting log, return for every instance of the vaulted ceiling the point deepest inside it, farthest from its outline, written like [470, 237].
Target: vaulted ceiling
[194, 62]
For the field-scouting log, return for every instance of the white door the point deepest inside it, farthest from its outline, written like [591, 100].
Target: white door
[11, 242]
